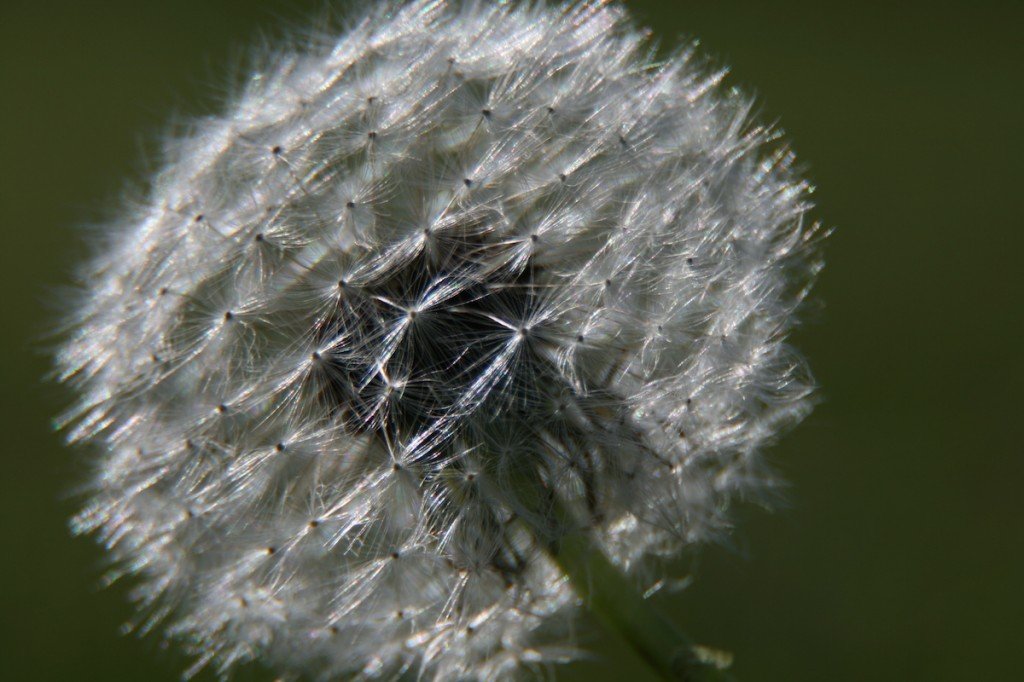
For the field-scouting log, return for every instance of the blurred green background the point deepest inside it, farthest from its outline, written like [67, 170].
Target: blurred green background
[900, 555]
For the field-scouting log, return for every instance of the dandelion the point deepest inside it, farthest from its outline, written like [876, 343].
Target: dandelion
[472, 299]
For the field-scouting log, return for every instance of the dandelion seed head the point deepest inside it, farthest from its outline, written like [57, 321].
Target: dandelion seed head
[460, 246]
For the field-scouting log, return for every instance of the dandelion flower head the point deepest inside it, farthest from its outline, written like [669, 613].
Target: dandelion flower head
[450, 256]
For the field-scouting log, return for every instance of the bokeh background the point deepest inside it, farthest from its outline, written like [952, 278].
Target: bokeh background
[900, 555]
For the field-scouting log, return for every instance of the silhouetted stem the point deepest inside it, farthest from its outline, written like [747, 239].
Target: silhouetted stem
[613, 598]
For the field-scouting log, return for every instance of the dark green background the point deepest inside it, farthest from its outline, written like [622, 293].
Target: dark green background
[901, 555]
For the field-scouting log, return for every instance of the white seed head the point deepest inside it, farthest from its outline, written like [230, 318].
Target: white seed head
[459, 247]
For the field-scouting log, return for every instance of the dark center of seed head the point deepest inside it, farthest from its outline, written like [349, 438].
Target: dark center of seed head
[438, 361]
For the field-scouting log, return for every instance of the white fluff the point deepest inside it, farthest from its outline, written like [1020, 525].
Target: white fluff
[460, 245]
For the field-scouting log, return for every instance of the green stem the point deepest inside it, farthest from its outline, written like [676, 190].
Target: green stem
[615, 600]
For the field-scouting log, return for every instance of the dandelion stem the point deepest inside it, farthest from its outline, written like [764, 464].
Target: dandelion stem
[613, 598]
